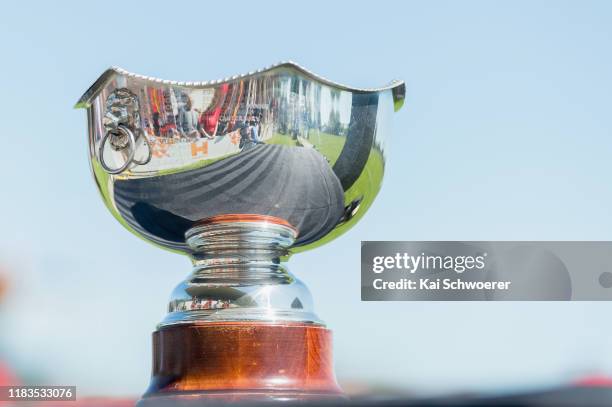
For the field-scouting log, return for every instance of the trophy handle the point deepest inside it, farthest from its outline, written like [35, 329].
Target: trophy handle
[112, 136]
[149, 151]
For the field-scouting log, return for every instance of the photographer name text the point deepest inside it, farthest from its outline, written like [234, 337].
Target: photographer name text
[431, 264]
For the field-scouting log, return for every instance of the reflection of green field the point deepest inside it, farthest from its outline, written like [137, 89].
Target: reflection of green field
[368, 182]
[282, 139]
[327, 144]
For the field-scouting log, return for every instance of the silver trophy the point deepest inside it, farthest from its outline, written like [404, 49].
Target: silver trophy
[238, 174]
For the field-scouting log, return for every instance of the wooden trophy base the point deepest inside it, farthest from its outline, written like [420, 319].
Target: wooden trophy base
[241, 361]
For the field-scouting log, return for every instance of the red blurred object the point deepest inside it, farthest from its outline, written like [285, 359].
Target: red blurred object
[210, 119]
[4, 284]
[595, 381]
[7, 378]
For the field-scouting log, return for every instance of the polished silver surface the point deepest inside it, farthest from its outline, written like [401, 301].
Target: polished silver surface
[239, 174]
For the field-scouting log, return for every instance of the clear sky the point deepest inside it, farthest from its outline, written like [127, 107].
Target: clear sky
[506, 134]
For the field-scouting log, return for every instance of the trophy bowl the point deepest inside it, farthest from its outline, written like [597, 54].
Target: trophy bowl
[239, 174]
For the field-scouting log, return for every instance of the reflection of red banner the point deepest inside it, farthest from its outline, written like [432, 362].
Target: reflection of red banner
[209, 120]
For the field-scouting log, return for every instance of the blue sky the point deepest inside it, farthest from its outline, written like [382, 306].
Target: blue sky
[505, 135]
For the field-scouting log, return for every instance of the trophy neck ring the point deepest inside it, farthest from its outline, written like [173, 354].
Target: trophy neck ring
[262, 237]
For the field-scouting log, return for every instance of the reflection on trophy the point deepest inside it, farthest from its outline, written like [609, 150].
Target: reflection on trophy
[239, 174]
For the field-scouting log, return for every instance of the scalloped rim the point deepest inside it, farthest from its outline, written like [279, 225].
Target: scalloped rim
[97, 86]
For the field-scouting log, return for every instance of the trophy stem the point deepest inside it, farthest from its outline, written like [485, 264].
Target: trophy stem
[240, 249]
[241, 327]
[239, 275]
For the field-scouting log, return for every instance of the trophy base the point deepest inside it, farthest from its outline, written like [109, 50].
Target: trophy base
[241, 361]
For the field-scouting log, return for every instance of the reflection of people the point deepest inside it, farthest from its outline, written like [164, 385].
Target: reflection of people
[188, 119]
[245, 133]
[254, 126]
[209, 120]
[249, 128]
[164, 112]
[171, 109]
[155, 104]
